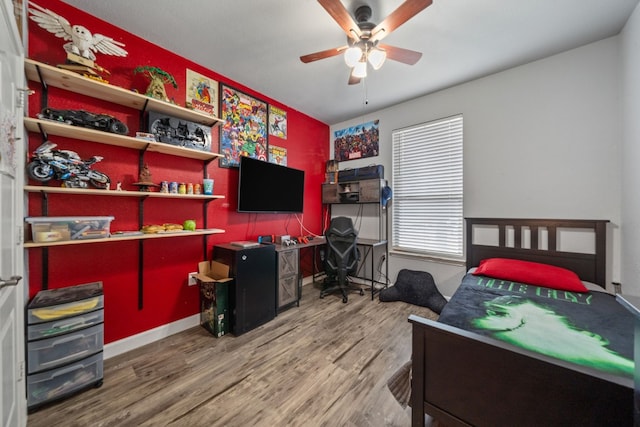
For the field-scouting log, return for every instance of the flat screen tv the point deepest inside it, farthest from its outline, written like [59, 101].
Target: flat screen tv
[269, 188]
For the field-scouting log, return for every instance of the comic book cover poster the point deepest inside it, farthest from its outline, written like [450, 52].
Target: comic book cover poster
[277, 122]
[357, 142]
[244, 129]
[202, 93]
[278, 155]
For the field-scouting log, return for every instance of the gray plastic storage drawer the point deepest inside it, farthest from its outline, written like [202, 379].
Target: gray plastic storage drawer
[63, 381]
[61, 311]
[62, 349]
[63, 326]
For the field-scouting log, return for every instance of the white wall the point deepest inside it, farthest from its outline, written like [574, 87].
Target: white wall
[542, 140]
[630, 53]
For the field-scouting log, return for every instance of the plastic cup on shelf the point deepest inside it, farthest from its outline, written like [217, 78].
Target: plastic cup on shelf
[207, 186]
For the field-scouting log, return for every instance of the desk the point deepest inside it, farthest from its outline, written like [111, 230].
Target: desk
[289, 273]
[366, 266]
[372, 249]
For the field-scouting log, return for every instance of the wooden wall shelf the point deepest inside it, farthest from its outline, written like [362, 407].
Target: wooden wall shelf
[68, 80]
[85, 134]
[202, 232]
[96, 192]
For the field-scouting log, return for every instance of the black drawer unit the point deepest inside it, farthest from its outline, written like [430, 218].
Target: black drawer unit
[64, 339]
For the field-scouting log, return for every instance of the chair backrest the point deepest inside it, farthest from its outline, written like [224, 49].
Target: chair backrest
[342, 252]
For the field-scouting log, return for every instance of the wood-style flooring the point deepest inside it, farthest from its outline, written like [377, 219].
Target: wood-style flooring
[324, 363]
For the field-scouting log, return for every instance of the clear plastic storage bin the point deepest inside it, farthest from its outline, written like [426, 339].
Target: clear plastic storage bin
[61, 382]
[63, 326]
[56, 304]
[57, 228]
[52, 352]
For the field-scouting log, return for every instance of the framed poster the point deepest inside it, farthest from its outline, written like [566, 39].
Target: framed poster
[278, 155]
[244, 129]
[277, 122]
[357, 142]
[202, 93]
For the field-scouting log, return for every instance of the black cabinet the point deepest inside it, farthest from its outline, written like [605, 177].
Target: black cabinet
[252, 294]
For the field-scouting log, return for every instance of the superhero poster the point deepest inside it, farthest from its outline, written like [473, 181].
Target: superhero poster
[278, 155]
[277, 122]
[357, 142]
[244, 129]
[202, 93]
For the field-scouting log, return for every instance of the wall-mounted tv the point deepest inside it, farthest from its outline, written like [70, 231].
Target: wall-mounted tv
[269, 188]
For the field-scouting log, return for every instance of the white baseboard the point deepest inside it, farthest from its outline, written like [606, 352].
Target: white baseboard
[147, 337]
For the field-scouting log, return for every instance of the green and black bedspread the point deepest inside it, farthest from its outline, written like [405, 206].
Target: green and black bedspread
[589, 329]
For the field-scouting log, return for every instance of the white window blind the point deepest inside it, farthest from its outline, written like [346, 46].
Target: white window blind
[427, 188]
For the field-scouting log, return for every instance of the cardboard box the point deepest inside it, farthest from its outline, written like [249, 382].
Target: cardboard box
[213, 281]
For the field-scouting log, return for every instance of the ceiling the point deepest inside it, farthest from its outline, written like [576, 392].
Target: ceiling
[258, 43]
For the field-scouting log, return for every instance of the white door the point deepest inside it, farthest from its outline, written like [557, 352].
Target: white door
[13, 399]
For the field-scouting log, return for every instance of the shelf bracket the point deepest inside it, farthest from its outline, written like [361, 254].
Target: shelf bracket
[45, 250]
[141, 274]
[206, 165]
[142, 115]
[44, 97]
[43, 133]
[144, 107]
[45, 269]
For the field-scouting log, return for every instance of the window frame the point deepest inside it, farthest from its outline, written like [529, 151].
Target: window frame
[443, 161]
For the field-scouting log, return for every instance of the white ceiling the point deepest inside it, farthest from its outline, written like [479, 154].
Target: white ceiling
[258, 43]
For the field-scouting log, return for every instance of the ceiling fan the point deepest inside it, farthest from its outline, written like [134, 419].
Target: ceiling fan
[363, 37]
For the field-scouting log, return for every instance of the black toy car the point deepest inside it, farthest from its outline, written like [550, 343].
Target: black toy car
[103, 122]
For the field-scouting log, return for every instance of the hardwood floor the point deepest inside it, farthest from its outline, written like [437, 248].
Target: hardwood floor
[324, 363]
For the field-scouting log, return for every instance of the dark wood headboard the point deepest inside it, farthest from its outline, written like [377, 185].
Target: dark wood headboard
[589, 267]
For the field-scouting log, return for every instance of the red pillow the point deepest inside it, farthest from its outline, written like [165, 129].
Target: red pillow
[532, 273]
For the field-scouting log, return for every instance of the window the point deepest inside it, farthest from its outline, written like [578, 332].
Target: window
[427, 188]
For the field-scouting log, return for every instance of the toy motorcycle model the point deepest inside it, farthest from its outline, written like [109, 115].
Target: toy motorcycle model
[48, 163]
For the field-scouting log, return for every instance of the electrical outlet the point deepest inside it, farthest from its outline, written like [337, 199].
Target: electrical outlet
[191, 279]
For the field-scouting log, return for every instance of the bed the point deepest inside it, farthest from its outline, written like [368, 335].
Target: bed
[463, 378]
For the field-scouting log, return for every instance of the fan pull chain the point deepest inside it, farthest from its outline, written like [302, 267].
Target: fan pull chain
[365, 94]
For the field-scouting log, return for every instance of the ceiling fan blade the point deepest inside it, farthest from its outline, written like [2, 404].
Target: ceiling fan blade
[322, 54]
[399, 54]
[402, 14]
[341, 15]
[353, 80]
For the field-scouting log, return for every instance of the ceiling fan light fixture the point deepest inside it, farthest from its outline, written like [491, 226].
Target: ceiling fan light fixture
[376, 57]
[352, 55]
[360, 69]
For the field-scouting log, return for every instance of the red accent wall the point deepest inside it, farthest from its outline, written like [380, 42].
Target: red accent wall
[166, 296]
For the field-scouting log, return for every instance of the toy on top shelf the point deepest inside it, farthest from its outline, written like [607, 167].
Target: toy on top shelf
[157, 79]
[67, 166]
[80, 50]
[103, 122]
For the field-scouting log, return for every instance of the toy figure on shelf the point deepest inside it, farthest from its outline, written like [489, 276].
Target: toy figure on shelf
[48, 163]
[80, 50]
[144, 179]
[158, 78]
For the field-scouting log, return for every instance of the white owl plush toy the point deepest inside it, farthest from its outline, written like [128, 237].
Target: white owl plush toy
[82, 43]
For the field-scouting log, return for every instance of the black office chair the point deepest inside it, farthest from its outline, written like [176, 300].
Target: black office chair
[341, 258]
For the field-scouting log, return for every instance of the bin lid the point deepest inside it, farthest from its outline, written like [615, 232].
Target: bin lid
[69, 294]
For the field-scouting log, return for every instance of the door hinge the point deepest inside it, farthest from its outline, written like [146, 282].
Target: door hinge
[20, 98]
[21, 371]
[20, 235]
